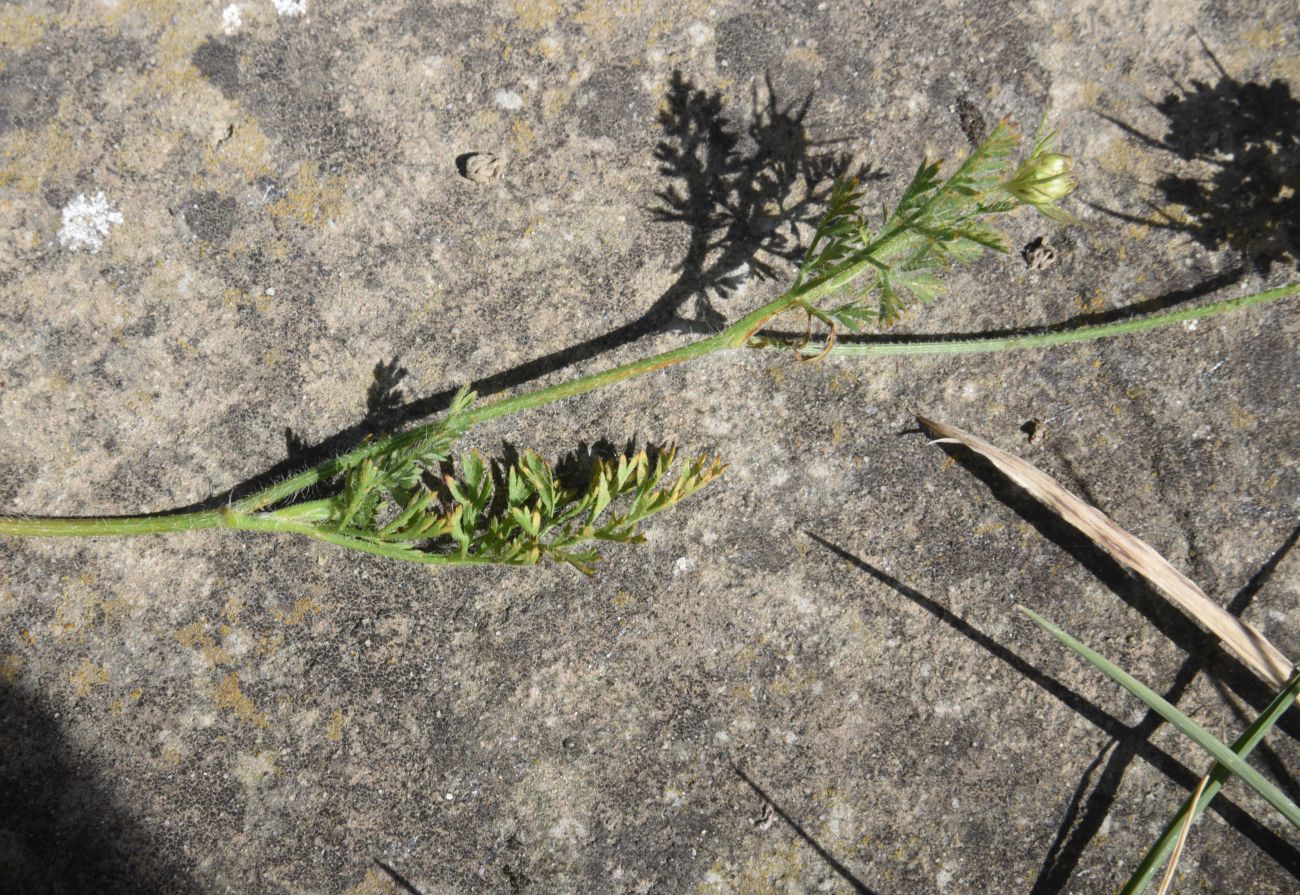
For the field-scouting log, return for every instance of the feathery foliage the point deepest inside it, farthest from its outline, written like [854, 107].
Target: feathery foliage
[515, 515]
[937, 223]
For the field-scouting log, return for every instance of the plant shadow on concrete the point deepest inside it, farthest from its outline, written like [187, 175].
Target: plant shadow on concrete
[743, 196]
[1093, 800]
[1239, 177]
[60, 831]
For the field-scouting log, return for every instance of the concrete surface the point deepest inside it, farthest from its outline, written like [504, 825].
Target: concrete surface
[232, 235]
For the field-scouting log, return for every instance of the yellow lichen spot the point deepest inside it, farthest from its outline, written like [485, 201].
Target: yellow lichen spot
[230, 696]
[523, 136]
[1267, 39]
[10, 665]
[233, 298]
[779, 869]
[837, 432]
[1091, 305]
[196, 635]
[536, 15]
[135, 695]
[597, 18]
[313, 198]
[269, 644]
[298, 614]
[1121, 156]
[777, 374]
[192, 634]
[234, 606]
[334, 732]
[19, 28]
[793, 682]
[549, 48]
[87, 677]
[27, 637]
[116, 610]
[988, 528]
[623, 599]
[171, 756]
[138, 401]
[375, 883]
[1241, 418]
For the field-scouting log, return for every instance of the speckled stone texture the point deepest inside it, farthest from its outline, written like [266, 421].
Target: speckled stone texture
[236, 237]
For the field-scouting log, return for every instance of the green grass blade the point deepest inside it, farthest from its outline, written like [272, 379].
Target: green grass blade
[1245, 744]
[1198, 734]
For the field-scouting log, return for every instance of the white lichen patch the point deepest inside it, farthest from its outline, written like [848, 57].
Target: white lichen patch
[86, 223]
[508, 100]
[230, 19]
[290, 7]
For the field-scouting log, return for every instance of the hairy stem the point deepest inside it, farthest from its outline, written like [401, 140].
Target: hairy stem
[59, 527]
[1039, 340]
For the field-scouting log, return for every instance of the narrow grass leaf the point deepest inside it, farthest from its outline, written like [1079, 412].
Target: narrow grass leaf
[1166, 710]
[1192, 808]
[1252, 647]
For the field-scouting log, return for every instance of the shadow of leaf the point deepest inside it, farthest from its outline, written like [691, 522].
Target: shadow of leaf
[1239, 181]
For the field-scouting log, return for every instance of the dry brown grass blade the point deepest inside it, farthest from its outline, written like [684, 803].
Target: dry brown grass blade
[1182, 840]
[1246, 642]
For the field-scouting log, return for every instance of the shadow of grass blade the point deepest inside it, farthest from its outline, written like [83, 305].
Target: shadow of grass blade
[1219, 774]
[1198, 734]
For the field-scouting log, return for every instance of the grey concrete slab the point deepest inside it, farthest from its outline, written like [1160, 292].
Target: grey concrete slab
[229, 234]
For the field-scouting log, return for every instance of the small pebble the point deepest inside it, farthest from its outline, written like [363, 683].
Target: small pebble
[1039, 254]
[481, 167]
[1034, 431]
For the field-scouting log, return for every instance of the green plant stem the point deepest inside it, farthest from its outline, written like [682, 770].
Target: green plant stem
[739, 335]
[288, 523]
[60, 527]
[1243, 746]
[1042, 340]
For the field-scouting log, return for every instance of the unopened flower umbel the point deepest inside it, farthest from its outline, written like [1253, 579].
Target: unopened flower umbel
[1043, 179]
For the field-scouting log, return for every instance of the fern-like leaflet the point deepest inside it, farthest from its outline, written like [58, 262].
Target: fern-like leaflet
[936, 223]
[515, 515]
